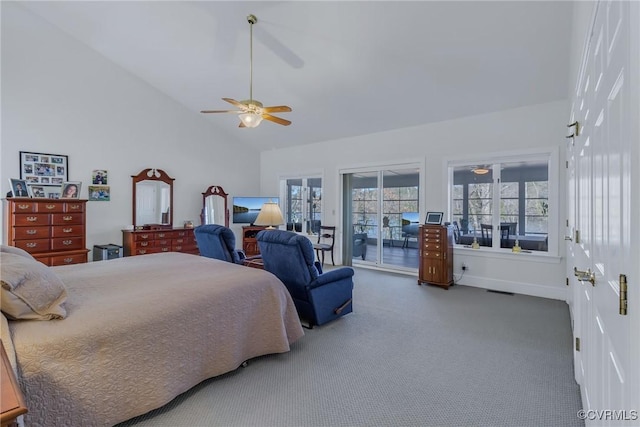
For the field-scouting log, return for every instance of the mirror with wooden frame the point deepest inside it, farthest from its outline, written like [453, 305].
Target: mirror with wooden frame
[214, 206]
[152, 199]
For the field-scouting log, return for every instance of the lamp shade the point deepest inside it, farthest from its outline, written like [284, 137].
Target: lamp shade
[270, 215]
[251, 119]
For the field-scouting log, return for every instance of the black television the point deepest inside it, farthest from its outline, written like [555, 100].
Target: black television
[246, 209]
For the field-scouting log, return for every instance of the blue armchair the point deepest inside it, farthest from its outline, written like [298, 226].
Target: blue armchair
[319, 297]
[218, 241]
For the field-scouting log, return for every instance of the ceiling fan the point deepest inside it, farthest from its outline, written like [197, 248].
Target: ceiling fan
[251, 112]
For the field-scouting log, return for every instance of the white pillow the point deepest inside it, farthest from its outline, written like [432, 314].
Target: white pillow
[30, 289]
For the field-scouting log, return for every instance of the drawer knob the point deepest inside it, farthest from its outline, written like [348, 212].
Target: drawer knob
[50, 206]
[74, 207]
[32, 218]
[31, 245]
[165, 249]
[32, 231]
[144, 243]
[67, 218]
[68, 260]
[67, 242]
[67, 230]
[23, 207]
[142, 251]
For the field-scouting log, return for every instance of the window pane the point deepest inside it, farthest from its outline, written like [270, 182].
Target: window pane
[523, 202]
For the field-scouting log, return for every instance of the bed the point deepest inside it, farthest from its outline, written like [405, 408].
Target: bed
[138, 331]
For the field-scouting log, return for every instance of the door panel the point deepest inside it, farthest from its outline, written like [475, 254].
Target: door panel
[598, 187]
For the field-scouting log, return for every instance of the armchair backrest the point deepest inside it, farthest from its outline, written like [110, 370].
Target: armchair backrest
[217, 241]
[290, 257]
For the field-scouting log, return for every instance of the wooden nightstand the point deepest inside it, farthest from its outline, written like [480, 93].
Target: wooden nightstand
[12, 402]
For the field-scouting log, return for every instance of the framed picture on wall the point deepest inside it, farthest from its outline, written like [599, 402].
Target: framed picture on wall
[44, 171]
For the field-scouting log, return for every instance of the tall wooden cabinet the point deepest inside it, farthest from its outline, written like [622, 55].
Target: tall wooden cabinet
[52, 230]
[141, 242]
[436, 255]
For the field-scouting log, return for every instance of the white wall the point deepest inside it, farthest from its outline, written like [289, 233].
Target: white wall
[61, 97]
[501, 132]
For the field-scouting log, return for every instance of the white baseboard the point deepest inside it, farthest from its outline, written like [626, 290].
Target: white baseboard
[532, 289]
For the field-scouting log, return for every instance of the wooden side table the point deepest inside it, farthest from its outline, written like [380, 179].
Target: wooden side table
[12, 402]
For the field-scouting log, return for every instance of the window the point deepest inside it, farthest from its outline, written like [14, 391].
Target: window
[302, 203]
[507, 199]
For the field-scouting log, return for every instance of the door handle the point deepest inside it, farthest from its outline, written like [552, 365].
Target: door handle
[588, 275]
[568, 238]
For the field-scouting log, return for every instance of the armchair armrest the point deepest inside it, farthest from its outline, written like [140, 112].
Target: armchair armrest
[332, 276]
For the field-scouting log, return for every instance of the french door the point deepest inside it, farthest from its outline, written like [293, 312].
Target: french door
[381, 216]
[599, 252]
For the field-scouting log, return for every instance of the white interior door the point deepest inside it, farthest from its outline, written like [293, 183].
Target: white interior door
[599, 162]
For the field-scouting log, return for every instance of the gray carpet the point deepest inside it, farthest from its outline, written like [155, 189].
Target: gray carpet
[408, 355]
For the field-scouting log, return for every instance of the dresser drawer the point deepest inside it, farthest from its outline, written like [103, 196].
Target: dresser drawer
[30, 233]
[31, 219]
[143, 236]
[178, 234]
[67, 218]
[144, 244]
[67, 230]
[145, 251]
[163, 235]
[183, 246]
[48, 207]
[33, 245]
[431, 247]
[67, 243]
[73, 207]
[68, 259]
[432, 255]
[24, 207]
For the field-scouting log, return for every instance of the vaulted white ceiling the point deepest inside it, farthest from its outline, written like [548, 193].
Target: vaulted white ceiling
[346, 68]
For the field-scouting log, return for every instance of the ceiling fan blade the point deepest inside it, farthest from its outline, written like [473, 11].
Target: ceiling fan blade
[277, 109]
[236, 103]
[275, 119]
[221, 111]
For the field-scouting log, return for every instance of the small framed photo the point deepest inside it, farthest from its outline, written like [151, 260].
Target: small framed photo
[19, 188]
[99, 193]
[434, 218]
[71, 190]
[99, 177]
[37, 191]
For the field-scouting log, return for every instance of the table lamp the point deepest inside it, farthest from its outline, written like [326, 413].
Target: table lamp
[270, 215]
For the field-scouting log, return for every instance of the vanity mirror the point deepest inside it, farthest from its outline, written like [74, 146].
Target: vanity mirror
[152, 199]
[214, 206]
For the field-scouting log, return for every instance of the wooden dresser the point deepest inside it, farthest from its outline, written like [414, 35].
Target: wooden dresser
[141, 242]
[249, 242]
[53, 231]
[436, 255]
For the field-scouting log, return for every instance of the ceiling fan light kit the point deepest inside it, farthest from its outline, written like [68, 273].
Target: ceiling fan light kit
[251, 112]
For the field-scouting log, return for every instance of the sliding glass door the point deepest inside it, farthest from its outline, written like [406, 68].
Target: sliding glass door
[381, 217]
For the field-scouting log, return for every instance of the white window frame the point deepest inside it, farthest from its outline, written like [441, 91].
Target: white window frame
[305, 206]
[551, 155]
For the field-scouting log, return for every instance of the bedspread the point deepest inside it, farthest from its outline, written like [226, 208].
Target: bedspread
[141, 330]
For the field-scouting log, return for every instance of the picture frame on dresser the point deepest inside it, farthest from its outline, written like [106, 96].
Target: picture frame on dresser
[45, 170]
[71, 190]
[19, 188]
